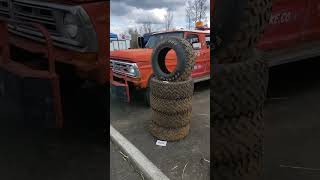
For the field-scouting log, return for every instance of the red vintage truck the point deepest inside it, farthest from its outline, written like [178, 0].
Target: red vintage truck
[131, 69]
[293, 33]
[49, 47]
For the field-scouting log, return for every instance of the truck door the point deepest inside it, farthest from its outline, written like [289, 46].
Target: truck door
[311, 30]
[286, 24]
[202, 53]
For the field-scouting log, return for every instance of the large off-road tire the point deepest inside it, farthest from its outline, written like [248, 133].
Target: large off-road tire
[237, 138]
[185, 59]
[169, 134]
[171, 121]
[171, 107]
[238, 27]
[239, 88]
[171, 90]
[250, 170]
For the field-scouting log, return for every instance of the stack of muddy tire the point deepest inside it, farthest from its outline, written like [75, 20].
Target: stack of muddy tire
[239, 86]
[171, 92]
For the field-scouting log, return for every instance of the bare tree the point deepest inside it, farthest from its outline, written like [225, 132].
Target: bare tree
[196, 11]
[189, 14]
[168, 19]
[134, 38]
[146, 27]
[203, 7]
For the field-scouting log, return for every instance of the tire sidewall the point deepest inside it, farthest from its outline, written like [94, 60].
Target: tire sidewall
[170, 43]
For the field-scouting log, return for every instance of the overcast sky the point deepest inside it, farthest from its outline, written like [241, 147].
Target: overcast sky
[131, 13]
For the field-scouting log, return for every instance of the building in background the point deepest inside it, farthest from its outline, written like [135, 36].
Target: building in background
[119, 42]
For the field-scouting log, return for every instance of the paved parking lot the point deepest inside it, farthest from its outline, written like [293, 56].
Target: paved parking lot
[189, 156]
[293, 122]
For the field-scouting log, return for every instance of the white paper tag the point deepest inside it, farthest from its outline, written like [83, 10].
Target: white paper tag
[161, 143]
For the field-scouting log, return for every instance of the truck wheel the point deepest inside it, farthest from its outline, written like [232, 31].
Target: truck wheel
[185, 59]
[171, 107]
[169, 134]
[238, 27]
[172, 90]
[239, 88]
[171, 121]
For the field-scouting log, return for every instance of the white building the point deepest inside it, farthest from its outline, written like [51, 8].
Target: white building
[119, 42]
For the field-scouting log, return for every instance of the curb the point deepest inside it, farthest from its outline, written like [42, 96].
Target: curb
[149, 170]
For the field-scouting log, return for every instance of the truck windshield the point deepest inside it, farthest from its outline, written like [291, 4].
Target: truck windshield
[154, 39]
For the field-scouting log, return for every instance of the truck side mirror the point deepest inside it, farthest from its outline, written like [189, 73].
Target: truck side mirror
[196, 45]
[141, 42]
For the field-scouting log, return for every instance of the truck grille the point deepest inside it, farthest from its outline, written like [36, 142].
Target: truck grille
[121, 68]
[41, 13]
[4, 8]
[27, 12]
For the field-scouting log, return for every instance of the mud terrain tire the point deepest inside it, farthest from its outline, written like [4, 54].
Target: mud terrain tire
[251, 170]
[185, 59]
[237, 138]
[173, 120]
[239, 25]
[171, 107]
[239, 88]
[171, 90]
[169, 134]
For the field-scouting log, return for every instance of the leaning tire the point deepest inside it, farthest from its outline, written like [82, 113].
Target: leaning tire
[171, 121]
[171, 107]
[239, 25]
[239, 88]
[185, 59]
[169, 134]
[172, 90]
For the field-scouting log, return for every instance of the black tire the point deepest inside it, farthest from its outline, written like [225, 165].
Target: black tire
[171, 107]
[185, 59]
[168, 134]
[237, 138]
[171, 121]
[239, 88]
[251, 170]
[172, 90]
[238, 27]
[147, 96]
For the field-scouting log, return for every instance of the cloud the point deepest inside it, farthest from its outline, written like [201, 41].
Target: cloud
[132, 13]
[154, 16]
[150, 4]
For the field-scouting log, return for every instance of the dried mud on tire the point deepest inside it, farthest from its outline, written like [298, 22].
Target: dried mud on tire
[252, 17]
[172, 90]
[251, 169]
[185, 59]
[238, 137]
[170, 106]
[173, 120]
[168, 134]
[239, 88]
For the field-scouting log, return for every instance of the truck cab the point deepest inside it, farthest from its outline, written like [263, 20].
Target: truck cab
[131, 70]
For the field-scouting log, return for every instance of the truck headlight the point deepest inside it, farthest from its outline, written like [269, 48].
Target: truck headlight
[70, 26]
[134, 71]
[78, 30]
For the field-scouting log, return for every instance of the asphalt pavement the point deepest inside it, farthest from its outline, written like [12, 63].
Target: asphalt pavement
[189, 157]
[292, 122]
[120, 167]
